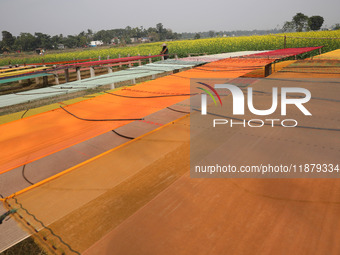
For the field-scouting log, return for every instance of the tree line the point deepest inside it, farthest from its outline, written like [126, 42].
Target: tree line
[301, 22]
[29, 42]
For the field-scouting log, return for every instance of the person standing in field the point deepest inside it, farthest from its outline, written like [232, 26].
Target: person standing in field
[165, 51]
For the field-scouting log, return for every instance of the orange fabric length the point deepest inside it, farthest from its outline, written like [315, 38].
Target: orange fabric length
[29, 139]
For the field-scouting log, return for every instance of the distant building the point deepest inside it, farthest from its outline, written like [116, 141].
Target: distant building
[133, 40]
[145, 40]
[96, 43]
[60, 46]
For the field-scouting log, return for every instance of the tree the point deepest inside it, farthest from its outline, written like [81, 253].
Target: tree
[288, 26]
[161, 31]
[7, 40]
[197, 36]
[300, 22]
[25, 42]
[211, 33]
[103, 35]
[43, 41]
[89, 34]
[82, 39]
[56, 39]
[315, 22]
[1, 47]
[70, 41]
[169, 34]
[154, 36]
[336, 26]
[139, 32]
